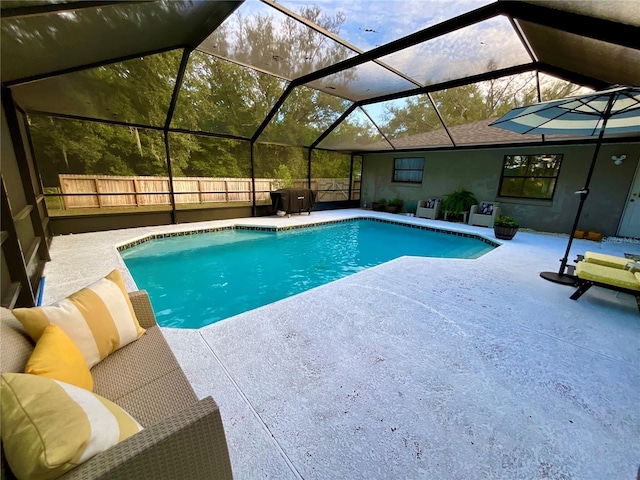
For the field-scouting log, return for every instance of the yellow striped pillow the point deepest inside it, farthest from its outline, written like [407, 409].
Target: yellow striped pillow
[99, 318]
[50, 427]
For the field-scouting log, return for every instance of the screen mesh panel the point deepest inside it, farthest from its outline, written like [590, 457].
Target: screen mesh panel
[468, 110]
[362, 82]
[90, 167]
[485, 46]
[330, 175]
[302, 118]
[622, 11]
[222, 97]
[210, 171]
[356, 132]
[409, 122]
[586, 56]
[50, 42]
[136, 91]
[260, 36]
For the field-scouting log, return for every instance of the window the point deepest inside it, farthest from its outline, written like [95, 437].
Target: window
[530, 176]
[408, 170]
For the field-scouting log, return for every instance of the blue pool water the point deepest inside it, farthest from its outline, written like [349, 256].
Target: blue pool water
[195, 280]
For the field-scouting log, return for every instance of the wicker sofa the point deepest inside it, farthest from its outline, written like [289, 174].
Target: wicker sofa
[183, 436]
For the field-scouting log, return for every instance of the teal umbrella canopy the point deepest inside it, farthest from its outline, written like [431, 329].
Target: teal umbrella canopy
[614, 111]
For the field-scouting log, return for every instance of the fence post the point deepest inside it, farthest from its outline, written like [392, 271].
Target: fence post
[63, 190]
[309, 168]
[350, 177]
[172, 197]
[95, 183]
[135, 191]
[254, 209]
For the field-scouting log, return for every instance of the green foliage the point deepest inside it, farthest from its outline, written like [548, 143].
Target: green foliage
[283, 173]
[356, 129]
[468, 103]
[396, 202]
[70, 146]
[458, 202]
[268, 158]
[326, 164]
[305, 114]
[505, 221]
[382, 202]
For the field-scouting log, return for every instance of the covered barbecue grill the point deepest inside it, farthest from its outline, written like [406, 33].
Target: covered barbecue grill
[292, 200]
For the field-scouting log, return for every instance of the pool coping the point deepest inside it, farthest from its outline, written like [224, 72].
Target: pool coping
[120, 247]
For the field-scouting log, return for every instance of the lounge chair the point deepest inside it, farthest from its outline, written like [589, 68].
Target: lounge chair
[484, 214]
[591, 274]
[428, 208]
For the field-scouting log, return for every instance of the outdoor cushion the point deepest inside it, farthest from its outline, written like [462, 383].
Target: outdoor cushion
[50, 427]
[608, 275]
[606, 260]
[486, 209]
[56, 356]
[99, 319]
[431, 203]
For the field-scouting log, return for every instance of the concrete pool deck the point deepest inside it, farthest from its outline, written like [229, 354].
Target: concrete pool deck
[417, 368]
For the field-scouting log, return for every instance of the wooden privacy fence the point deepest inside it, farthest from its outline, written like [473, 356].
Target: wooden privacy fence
[83, 191]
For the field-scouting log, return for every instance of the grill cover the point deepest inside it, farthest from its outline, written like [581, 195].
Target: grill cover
[293, 200]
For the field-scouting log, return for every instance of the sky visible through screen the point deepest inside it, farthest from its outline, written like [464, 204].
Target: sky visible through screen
[370, 24]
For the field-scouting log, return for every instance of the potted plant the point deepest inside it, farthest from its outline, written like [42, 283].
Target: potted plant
[394, 205]
[379, 205]
[505, 227]
[458, 203]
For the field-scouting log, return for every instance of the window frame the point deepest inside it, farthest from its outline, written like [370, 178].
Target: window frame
[560, 158]
[396, 169]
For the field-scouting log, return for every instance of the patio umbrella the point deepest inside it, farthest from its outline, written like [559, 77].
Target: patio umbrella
[615, 110]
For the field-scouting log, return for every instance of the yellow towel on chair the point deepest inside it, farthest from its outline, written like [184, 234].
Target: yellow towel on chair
[608, 275]
[606, 260]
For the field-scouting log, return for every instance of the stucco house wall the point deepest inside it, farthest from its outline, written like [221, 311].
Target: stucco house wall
[479, 171]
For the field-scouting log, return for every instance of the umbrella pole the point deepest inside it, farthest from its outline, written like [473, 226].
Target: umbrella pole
[560, 276]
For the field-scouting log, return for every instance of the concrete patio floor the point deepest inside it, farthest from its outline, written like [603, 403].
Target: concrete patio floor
[417, 368]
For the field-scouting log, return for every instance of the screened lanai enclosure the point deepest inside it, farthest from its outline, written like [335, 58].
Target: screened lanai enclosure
[131, 113]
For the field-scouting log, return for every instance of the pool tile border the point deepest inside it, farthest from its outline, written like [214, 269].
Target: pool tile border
[438, 230]
[153, 236]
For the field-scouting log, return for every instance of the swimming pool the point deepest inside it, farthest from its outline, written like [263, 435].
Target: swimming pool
[195, 280]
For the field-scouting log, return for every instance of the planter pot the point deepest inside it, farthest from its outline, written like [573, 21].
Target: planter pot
[393, 208]
[455, 217]
[505, 233]
[376, 207]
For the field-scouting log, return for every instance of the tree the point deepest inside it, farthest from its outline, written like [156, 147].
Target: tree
[415, 116]
[468, 103]
[327, 164]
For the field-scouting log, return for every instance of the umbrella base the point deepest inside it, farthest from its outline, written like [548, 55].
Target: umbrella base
[555, 277]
